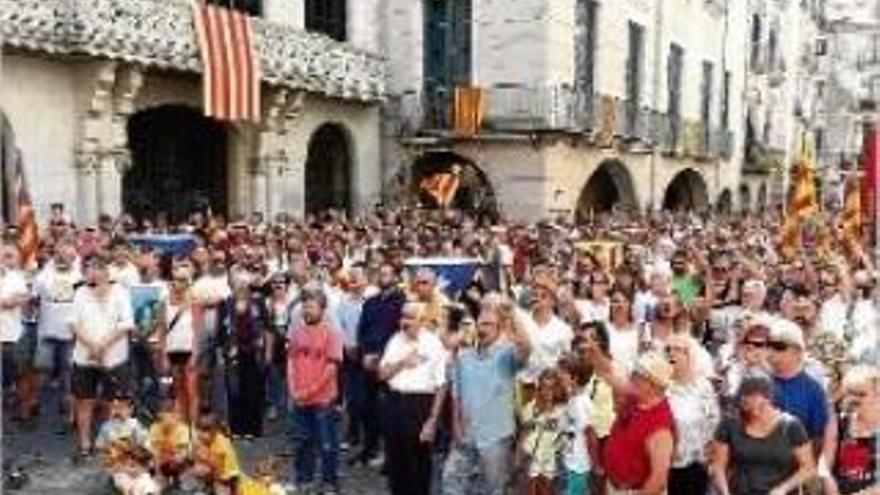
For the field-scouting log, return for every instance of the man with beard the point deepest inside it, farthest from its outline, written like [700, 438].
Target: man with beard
[380, 319]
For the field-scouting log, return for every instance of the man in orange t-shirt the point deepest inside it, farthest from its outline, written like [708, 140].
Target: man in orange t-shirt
[313, 361]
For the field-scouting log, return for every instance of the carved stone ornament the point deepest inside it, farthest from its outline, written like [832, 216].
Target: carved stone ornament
[159, 33]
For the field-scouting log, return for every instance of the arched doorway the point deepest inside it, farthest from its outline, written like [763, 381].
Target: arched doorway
[724, 205]
[610, 186]
[686, 192]
[329, 170]
[474, 194]
[745, 198]
[179, 163]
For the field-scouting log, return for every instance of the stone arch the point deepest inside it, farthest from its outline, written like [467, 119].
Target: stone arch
[745, 198]
[686, 191]
[179, 162]
[329, 169]
[610, 186]
[724, 204]
[475, 193]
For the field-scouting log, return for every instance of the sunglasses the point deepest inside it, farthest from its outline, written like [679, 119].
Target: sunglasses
[777, 346]
[757, 344]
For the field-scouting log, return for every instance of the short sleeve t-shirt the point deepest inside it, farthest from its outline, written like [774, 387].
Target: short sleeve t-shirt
[97, 318]
[549, 343]
[56, 289]
[760, 464]
[803, 397]
[12, 284]
[310, 351]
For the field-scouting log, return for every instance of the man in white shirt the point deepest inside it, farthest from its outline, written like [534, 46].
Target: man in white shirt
[102, 321]
[54, 288]
[122, 270]
[210, 290]
[14, 295]
[550, 337]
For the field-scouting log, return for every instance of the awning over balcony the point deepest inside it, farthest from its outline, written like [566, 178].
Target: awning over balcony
[159, 33]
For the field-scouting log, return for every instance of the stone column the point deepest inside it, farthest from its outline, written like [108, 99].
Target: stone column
[259, 186]
[86, 188]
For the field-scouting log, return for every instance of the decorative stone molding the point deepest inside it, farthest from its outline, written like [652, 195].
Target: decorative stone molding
[159, 33]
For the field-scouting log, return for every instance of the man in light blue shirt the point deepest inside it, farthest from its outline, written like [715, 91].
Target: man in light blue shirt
[483, 385]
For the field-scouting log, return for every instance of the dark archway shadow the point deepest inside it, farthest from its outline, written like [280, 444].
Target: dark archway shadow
[475, 193]
[686, 192]
[608, 188]
[745, 198]
[762, 197]
[179, 163]
[724, 205]
[329, 170]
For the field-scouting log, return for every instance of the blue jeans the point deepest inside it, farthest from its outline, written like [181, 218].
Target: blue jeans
[314, 429]
[276, 387]
[485, 470]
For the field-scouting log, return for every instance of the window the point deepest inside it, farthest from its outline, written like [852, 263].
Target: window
[328, 17]
[447, 51]
[251, 7]
[634, 70]
[674, 66]
[706, 105]
[725, 101]
[772, 49]
[585, 45]
[756, 42]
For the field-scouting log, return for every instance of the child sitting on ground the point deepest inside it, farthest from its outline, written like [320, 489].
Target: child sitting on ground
[215, 462]
[170, 442]
[131, 476]
[118, 438]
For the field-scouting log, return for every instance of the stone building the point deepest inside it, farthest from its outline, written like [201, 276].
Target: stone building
[781, 94]
[104, 99]
[588, 104]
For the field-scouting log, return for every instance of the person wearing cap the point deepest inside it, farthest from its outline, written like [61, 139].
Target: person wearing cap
[797, 392]
[637, 455]
[761, 450]
[102, 321]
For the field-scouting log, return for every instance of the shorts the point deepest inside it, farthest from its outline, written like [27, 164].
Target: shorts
[92, 382]
[18, 357]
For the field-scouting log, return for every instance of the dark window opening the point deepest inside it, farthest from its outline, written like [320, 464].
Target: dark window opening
[675, 65]
[634, 71]
[725, 101]
[250, 7]
[447, 49]
[327, 17]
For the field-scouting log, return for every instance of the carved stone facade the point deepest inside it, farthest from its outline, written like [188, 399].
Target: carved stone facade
[76, 71]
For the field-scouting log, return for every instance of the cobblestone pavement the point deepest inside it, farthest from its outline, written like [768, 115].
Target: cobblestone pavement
[46, 459]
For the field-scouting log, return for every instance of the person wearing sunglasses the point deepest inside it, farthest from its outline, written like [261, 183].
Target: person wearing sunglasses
[749, 354]
[798, 392]
[856, 468]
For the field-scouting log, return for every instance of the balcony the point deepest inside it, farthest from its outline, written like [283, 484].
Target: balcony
[159, 34]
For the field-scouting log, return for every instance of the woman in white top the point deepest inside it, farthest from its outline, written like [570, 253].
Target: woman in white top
[623, 333]
[696, 412]
[414, 366]
[183, 321]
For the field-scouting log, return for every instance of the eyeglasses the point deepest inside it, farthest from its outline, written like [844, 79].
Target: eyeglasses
[757, 344]
[777, 346]
[858, 394]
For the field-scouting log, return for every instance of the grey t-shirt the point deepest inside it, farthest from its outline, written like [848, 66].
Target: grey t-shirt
[760, 464]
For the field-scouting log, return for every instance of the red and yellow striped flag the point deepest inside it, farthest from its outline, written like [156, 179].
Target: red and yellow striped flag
[802, 202]
[468, 110]
[852, 210]
[230, 65]
[441, 186]
[28, 241]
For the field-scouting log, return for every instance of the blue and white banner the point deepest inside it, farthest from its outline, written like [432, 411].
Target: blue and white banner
[453, 274]
[174, 244]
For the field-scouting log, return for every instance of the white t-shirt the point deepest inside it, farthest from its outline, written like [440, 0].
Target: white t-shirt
[624, 346]
[12, 284]
[579, 416]
[425, 378]
[56, 290]
[210, 288]
[181, 332]
[833, 316]
[549, 343]
[97, 319]
[126, 275]
[590, 310]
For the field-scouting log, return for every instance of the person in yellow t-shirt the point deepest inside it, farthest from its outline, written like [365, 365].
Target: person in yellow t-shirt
[170, 442]
[215, 459]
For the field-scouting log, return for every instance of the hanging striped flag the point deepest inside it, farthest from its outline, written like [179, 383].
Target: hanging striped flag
[871, 171]
[230, 66]
[468, 110]
[852, 211]
[802, 202]
[441, 186]
[28, 241]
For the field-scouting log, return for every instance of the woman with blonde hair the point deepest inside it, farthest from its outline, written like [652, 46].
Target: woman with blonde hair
[696, 412]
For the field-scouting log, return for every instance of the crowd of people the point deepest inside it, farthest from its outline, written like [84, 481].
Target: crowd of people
[692, 356]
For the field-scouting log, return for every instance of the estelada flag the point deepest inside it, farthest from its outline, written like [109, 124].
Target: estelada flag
[441, 186]
[802, 202]
[230, 65]
[468, 110]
